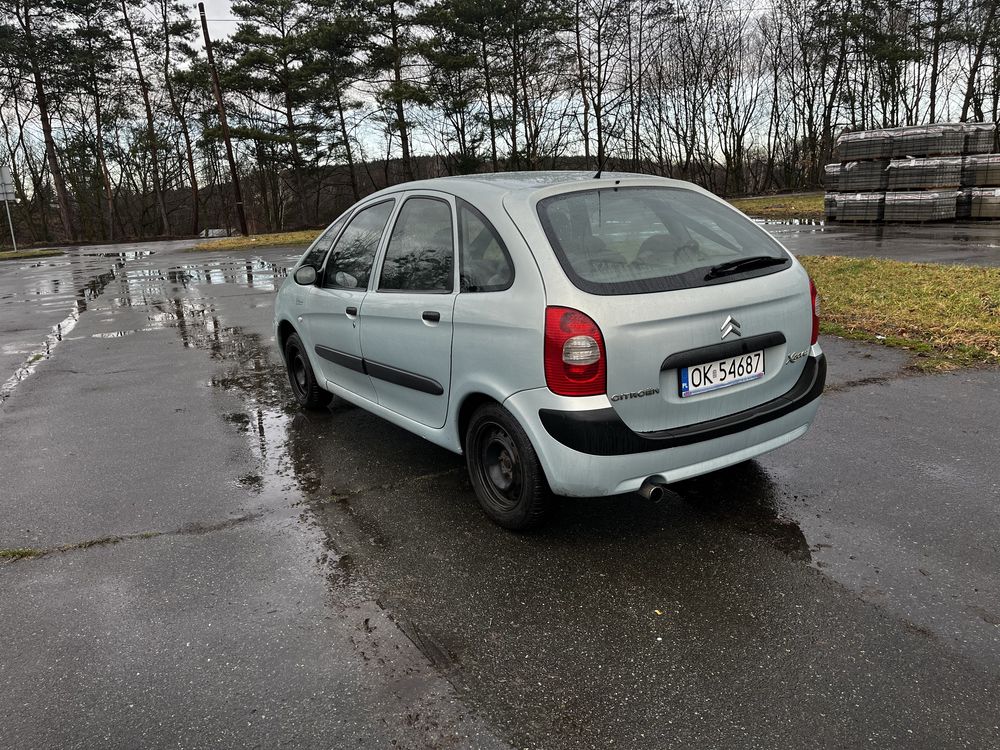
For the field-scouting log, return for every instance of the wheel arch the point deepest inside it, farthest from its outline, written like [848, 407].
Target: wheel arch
[285, 329]
[470, 403]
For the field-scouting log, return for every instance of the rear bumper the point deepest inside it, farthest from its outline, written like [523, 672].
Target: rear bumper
[590, 452]
[601, 432]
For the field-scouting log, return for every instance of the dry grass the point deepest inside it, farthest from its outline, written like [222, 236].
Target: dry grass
[303, 237]
[948, 316]
[24, 254]
[807, 206]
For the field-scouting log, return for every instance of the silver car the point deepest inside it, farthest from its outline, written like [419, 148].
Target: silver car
[568, 333]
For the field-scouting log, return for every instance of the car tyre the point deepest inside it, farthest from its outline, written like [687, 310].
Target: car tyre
[504, 469]
[301, 376]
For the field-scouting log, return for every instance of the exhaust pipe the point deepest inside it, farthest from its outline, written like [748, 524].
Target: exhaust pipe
[652, 489]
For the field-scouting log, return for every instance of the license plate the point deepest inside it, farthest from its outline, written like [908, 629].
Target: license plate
[722, 373]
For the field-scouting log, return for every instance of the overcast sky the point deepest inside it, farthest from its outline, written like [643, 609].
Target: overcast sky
[217, 11]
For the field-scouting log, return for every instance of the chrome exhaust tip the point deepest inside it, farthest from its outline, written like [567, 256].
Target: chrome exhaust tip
[652, 489]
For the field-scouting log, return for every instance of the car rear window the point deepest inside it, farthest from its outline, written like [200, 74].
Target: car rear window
[633, 240]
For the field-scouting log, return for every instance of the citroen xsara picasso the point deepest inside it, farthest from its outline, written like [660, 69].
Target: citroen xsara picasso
[568, 333]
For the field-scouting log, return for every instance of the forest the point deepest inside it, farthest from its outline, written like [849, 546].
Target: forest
[111, 128]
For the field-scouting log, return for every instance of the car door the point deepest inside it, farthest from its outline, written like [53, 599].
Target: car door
[332, 319]
[407, 317]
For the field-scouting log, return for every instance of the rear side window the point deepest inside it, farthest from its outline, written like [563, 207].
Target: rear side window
[636, 240]
[421, 251]
[350, 263]
[316, 254]
[483, 258]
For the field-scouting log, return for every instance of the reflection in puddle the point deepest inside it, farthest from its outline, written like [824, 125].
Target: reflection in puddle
[254, 274]
[143, 285]
[128, 256]
[118, 334]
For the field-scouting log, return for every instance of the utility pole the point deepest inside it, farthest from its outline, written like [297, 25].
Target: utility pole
[217, 89]
[7, 194]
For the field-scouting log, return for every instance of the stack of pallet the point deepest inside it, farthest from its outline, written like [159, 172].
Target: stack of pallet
[914, 174]
[980, 194]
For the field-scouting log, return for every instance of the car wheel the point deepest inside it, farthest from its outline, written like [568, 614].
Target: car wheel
[504, 469]
[301, 376]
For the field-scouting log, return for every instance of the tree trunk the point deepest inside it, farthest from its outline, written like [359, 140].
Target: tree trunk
[977, 61]
[150, 128]
[182, 121]
[582, 78]
[397, 77]
[348, 151]
[102, 162]
[488, 85]
[935, 59]
[293, 141]
[58, 180]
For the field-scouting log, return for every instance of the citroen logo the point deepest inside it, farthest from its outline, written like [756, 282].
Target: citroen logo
[732, 325]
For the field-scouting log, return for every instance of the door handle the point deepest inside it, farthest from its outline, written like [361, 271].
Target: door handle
[352, 312]
[431, 316]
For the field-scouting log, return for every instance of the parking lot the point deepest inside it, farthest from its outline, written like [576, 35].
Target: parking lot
[218, 568]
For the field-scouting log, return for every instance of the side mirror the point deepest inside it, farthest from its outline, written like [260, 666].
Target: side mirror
[305, 275]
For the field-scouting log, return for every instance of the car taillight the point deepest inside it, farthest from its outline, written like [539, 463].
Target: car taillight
[815, 310]
[575, 360]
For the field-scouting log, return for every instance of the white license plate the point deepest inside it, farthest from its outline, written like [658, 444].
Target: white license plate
[721, 374]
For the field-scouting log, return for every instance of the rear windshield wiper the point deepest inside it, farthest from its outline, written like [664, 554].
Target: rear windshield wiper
[743, 264]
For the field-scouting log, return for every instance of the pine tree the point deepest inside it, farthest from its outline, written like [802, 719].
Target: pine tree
[271, 64]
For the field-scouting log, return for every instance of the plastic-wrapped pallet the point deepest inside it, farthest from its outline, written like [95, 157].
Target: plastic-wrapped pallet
[830, 206]
[982, 170]
[864, 144]
[860, 206]
[979, 137]
[863, 176]
[831, 177]
[925, 206]
[963, 205]
[922, 174]
[984, 203]
[928, 140]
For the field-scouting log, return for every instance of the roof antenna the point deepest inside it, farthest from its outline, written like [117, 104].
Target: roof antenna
[598, 175]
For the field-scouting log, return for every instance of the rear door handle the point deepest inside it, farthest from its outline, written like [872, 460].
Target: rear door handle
[431, 316]
[352, 312]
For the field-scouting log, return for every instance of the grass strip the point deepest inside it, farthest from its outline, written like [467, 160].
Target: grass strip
[20, 553]
[807, 206]
[948, 316]
[24, 254]
[302, 237]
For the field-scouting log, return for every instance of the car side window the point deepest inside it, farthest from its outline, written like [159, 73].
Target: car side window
[484, 262]
[421, 251]
[350, 263]
[316, 254]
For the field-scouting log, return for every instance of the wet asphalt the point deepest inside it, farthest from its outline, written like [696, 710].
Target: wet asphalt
[224, 570]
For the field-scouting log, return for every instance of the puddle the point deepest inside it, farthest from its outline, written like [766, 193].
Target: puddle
[791, 222]
[126, 256]
[86, 294]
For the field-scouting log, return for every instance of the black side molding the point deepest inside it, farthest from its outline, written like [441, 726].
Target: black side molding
[343, 359]
[600, 432]
[728, 349]
[382, 372]
[404, 378]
